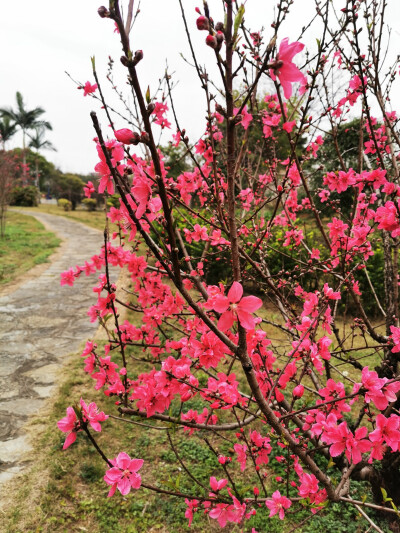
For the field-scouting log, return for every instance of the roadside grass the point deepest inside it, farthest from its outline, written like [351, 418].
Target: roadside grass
[64, 491]
[94, 219]
[26, 244]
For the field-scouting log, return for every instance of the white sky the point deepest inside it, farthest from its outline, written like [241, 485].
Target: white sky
[42, 39]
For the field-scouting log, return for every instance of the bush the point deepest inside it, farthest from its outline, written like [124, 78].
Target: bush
[113, 201]
[90, 204]
[65, 204]
[24, 196]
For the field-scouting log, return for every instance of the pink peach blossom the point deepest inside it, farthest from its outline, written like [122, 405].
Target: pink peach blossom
[285, 69]
[123, 475]
[234, 307]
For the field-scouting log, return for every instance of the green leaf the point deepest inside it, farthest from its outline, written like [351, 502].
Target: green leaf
[331, 463]
[238, 20]
[93, 60]
[384, 494]
[148, 99]
[393, 505]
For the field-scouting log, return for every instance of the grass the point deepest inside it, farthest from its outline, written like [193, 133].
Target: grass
[65, 491]
[94, 219]
[26, 244]
[69, 492]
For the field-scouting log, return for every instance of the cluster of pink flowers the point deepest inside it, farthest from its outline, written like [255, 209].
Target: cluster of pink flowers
[200, 340]
[71, 424]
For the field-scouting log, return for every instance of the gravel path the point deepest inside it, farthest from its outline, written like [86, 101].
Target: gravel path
[40, 323]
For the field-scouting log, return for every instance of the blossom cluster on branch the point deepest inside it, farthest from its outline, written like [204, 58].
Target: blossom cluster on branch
[249, 271]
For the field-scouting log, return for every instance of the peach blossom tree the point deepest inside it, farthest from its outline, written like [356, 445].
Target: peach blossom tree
[251, 288]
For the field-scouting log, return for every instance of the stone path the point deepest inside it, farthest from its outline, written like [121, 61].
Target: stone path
[40, 323]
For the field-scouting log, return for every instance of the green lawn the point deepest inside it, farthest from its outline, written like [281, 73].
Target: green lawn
[26, 243]
[94, 219]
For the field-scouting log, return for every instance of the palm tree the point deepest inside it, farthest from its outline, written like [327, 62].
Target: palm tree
[25, 120]
[38, 142]
[7, 130]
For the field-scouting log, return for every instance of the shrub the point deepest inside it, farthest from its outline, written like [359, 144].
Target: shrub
[113, 201]
[90, 204]
[24, 196]
[65, 204]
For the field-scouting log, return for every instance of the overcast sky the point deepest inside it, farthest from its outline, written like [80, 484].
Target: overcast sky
[42, 39]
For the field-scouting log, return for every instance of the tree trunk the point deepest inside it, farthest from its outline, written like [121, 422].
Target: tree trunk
[389, 367]
[24, 180]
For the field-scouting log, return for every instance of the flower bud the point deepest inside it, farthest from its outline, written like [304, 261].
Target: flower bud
[136, 138]
[219, 26]
[103, 12]
[144, 137]
[124, 136]
[211, 41]
[202, 23]
[220, 37]
[137, 57]
[124, 60]
[298, 391]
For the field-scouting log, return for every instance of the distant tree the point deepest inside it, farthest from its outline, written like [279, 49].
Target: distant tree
[69, 186]
[38, 142]
[46, 169]
[8, 169]
[176, 159]
[7, 130]
[26, 120]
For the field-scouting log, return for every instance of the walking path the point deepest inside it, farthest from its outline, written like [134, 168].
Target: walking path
[40, 323]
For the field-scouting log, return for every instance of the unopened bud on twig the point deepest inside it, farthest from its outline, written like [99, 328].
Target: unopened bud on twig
[126, 136]
[219, 109]
[137, 57]
[211, 41]
[150, 108]
[202, 23]
[220, 37]
[103, 12]
[144, 137]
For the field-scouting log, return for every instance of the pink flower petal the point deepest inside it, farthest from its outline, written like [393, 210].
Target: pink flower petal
[71, 438]
[112, 491]
[235, 292]
[135, 480]
[113, 475]
[123, 460]
[245, 319]
[136, 464]
[336, 449]
[221, 303]
[226, 321]
[250, 304]
[124, 486]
